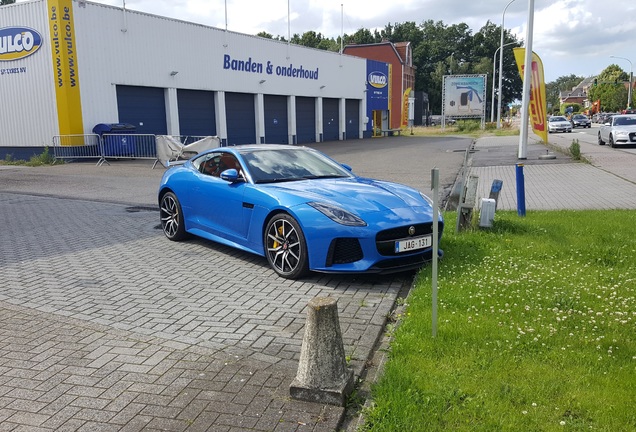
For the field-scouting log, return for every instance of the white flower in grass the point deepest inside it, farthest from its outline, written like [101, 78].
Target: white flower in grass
[562, 422]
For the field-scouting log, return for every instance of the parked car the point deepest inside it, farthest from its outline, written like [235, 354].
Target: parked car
[437, 120]
[300, 209]
[581, 120]
[619, 129]
[559, 124]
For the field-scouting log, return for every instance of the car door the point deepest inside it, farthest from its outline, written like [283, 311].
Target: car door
[218, 203]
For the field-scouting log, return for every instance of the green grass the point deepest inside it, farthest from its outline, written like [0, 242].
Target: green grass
[536, 330]
[463, 127]
[45, 158]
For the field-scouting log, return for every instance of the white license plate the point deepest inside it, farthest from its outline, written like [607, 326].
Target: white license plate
[414, 243]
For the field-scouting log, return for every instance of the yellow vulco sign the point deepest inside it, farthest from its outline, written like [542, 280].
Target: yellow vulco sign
[65, 68]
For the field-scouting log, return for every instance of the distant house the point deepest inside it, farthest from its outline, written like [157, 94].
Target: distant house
[578, 95]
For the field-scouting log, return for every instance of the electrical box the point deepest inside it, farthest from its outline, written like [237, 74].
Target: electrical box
[487, 212]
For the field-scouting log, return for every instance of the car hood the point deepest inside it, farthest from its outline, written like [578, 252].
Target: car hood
[360, 195]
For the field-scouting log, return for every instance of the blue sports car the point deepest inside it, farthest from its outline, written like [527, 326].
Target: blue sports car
[300, 209]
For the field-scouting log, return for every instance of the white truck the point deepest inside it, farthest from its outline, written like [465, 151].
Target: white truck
[619, 129]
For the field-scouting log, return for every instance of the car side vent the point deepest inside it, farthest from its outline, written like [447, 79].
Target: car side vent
[343, 251]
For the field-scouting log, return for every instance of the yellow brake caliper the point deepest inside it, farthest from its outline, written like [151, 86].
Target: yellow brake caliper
[280, 232]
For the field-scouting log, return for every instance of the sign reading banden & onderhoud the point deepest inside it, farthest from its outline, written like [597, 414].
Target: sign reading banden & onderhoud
[18, 42]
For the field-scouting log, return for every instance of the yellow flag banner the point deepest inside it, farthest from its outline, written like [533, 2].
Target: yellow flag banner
[538, 112]
[405, 108]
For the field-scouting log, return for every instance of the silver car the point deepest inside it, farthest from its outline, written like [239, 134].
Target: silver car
[559, 124]
[619, 129]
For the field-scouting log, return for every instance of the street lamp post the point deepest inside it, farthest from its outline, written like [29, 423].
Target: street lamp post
[631, 75]
[492, 103]
[501, 43]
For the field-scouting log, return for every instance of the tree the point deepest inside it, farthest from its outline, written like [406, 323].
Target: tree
[610, 89]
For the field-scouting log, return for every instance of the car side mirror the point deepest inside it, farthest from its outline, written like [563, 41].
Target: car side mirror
[607, 124]
[347, 167]
[231, 175]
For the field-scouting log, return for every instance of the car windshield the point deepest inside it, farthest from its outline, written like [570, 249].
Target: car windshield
[580, 117]
[280, 165]
[555, 119]
[625, 121]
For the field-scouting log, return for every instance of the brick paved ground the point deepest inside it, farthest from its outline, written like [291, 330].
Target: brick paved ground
[106, 325]
[609, 182]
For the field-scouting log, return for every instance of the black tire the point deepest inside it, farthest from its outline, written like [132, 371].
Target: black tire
[600, 141]
[171, 215]
[285, 247]
[611, 141]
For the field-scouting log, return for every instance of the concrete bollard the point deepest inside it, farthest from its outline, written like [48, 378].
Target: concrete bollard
[322, 375]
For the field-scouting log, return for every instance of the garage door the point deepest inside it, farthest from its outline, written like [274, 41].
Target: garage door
[305, 120]
[352, 112]
[330, 119]
[144, 108]
[196, 112]
[276, 130]
[241, 118]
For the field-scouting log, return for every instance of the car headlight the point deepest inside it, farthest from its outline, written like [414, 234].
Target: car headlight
[621, 133]
[338, 214]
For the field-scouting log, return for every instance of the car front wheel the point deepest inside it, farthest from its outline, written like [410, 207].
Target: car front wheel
[172, 217]
[611, 141]
[600, 141]
[285, 247]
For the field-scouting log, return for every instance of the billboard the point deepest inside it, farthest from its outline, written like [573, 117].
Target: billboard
[464, 95]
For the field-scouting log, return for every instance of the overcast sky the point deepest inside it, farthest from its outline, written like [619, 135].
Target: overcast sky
[571, 36]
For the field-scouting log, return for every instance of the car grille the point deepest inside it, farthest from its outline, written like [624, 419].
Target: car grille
[402, 263]
[344, 251]
[385, 240]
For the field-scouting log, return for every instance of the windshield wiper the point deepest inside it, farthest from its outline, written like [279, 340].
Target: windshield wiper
[326, 176]
[279, 180]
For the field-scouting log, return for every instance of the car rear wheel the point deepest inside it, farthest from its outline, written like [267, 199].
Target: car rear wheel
[285, 247]
[172, 217]
[600, 141]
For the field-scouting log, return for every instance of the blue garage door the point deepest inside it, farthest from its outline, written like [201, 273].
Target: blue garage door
[144, 108]
[196, 112]
[305, 120]
[352, 112]
[276, 130]
[330, 119]
[241, 118]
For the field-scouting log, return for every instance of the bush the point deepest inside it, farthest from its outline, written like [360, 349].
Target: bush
[468, 125]
[575, 150]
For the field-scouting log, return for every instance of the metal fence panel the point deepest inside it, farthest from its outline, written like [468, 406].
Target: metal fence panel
[87, 146]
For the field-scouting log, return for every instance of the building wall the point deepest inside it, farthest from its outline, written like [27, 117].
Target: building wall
[121, 47]
[28, 113]
[386, 53]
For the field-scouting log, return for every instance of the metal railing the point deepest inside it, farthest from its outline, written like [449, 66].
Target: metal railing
[111, 146]
[87, 146]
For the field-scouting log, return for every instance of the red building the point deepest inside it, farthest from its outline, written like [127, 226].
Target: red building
[402, 73]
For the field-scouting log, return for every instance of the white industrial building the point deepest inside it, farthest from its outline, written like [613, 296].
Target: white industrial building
[66, 66]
